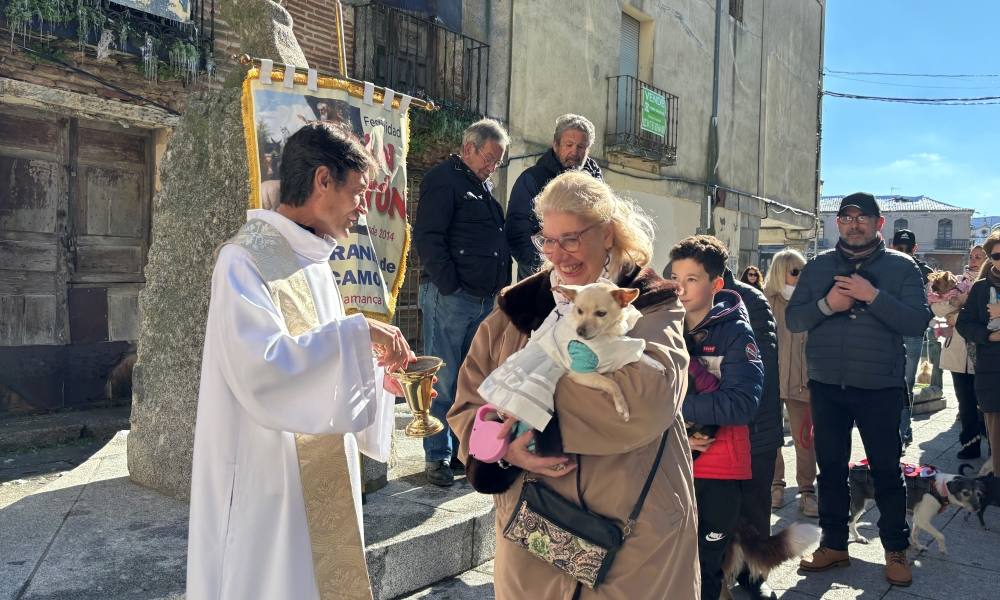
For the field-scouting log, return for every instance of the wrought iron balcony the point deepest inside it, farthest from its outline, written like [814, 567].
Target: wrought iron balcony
[642, 121]
[952, 244]
[153, 32]
[419, 57]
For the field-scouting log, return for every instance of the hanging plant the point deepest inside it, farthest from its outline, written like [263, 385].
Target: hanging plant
[90, 19]
[184, 60]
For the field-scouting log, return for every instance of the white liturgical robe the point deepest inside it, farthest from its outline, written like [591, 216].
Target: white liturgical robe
[261, 385]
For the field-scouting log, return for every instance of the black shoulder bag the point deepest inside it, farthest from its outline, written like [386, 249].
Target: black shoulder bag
[572, 539]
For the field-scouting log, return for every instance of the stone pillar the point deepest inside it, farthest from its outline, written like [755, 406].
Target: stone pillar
[202, 202]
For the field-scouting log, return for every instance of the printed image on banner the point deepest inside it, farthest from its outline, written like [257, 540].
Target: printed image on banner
[369, 266]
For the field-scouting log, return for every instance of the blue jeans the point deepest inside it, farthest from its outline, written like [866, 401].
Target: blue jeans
[914, 346]
[449, 323]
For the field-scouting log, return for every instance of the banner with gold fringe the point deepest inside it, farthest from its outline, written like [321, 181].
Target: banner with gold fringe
[370, 265]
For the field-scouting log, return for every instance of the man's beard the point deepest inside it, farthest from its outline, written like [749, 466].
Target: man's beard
[860, 246]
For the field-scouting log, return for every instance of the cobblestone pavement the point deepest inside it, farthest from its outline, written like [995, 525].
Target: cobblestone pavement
[970, 570]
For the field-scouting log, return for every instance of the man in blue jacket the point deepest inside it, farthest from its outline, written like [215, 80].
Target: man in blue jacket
[459, 237]
[570, 148]
[858, 301]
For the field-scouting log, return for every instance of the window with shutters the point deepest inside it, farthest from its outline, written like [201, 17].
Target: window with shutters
[642, 119]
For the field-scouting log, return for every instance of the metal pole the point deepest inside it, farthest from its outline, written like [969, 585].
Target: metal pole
[341, 52]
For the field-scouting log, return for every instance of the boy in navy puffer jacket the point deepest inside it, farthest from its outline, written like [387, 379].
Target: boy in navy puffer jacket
[719, 336]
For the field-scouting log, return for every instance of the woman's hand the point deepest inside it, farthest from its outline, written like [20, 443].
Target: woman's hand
[700, 444]
[994, 309]
[995, 336]
[519, 455]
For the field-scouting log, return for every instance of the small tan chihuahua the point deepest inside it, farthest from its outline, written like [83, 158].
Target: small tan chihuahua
[592, 339]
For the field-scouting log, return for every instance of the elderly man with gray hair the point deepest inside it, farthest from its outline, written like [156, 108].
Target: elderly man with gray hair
[570, 150]
[458, 234]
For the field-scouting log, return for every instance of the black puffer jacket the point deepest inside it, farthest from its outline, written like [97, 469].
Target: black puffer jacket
[861, 347]
[521, 220]
[972, 325]
[765, 430]
[458, 232]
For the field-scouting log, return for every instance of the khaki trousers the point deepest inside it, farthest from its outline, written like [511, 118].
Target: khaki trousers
[800, 413]
[993, 432]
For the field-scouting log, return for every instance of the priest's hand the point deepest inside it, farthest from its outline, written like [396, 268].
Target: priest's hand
[390, 346]
[519, 455]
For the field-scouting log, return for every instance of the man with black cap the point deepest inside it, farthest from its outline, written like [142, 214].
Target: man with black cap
[857, 302]
[905, 241]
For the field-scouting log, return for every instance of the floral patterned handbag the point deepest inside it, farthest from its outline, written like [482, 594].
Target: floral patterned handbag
[572, 539]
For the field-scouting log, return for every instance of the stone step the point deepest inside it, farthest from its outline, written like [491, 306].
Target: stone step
[417, 533]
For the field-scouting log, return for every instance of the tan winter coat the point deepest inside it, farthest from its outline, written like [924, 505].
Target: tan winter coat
[954, 350]
[793, 374]
[660, 559]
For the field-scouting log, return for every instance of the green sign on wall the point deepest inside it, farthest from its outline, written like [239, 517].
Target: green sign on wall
[654, 112]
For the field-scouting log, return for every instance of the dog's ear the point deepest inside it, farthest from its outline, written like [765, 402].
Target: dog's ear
[570, 291]
[625, 296]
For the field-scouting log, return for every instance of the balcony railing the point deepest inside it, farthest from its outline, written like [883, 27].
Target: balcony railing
[419, 57]
[952, 244]
[642, 121]
[185, 46]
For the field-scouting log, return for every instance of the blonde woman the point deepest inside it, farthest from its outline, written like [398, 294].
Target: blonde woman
[794, 391]
[595, 458]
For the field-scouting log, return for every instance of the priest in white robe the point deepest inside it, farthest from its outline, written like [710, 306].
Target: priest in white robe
[290, 388]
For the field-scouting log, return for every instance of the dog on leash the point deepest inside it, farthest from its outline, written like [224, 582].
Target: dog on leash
[759, 554]
[980, 493]
[597, 316]
[928, 492]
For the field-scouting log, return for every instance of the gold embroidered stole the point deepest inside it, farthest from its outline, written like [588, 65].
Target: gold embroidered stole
[337, 551]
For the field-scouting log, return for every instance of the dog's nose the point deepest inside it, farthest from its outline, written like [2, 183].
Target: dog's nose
[581, 331]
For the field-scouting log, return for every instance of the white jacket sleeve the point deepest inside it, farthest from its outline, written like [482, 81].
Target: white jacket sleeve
[322, 381]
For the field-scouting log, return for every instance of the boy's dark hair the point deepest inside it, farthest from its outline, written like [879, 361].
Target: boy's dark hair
[313, 146]
[707, 250]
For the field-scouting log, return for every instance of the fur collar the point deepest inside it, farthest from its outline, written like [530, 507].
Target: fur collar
[529, 302]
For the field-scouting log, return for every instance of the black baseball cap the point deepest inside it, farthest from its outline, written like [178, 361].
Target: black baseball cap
[862, 201]
[904, 237]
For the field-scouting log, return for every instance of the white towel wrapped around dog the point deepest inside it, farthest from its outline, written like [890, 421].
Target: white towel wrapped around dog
[524, 385]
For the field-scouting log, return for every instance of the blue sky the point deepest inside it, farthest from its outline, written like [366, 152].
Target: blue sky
[946, 152]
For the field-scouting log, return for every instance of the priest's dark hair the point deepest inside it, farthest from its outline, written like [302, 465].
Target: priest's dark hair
[316, 145]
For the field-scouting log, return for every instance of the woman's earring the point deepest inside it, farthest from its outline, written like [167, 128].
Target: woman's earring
[607, 259]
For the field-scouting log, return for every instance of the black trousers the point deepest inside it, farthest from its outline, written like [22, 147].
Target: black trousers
[968, 410]
[718, 511]
[755, 498]
[835, 411]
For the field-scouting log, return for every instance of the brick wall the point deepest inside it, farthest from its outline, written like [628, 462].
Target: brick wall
[315, 26]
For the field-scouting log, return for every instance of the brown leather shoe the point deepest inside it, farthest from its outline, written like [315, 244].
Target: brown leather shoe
[824, 559]
[897, 568]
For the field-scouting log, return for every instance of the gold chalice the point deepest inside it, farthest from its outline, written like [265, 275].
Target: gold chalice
[417, 382]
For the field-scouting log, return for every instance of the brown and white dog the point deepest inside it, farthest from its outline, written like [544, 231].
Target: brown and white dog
[760, 554]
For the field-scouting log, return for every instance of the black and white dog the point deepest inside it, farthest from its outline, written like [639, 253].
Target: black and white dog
[928, 492]
[979, 493]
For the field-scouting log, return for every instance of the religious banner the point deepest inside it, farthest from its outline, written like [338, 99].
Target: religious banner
[368, 266]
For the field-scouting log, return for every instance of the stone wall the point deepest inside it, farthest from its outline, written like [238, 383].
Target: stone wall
[203, 201]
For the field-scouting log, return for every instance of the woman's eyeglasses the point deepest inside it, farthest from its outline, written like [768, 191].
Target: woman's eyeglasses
[569, 242]
[795, 272]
